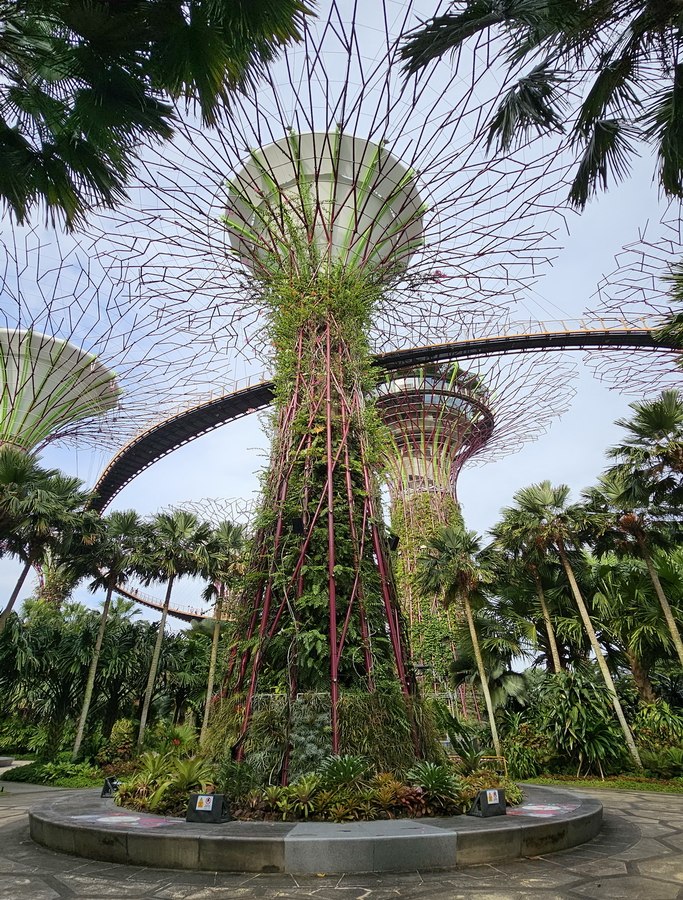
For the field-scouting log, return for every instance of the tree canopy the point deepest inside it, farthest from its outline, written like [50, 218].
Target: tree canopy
[85, 83]
[606, 74]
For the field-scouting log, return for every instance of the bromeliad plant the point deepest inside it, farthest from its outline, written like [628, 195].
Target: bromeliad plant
[163, 782]
[342, 789]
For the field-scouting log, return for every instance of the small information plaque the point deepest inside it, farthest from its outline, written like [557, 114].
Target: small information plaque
[207, 808]
[489, 803]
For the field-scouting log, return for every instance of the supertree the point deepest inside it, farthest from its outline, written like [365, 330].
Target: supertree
[343, 210]
[47, 384]
[81, 356]
[440, 418]
[637, 292]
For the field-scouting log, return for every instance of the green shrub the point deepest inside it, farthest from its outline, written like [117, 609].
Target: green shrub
[664, 763]
[346, 770]
[483, 780]
[58, 774]
[578, 718]
[162, 783]
[237, 780]
[180, 740]
[440, 785]
[657, 726]
[527, 748]
[121, 743]
[16, 735]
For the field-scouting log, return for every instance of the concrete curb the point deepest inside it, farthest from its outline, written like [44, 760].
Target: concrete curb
[84, 825]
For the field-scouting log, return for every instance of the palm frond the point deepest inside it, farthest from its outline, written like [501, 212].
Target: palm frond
[446, 33]
[663, 127]
[607, 156]
[612, 92]
[536, 102]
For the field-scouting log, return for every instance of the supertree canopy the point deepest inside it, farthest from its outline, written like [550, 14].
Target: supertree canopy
[83, 357]
[639, 292]
[46, 384]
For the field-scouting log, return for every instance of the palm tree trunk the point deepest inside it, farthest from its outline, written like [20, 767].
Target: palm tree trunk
[557, 666]
[602, 664]
[15, 593]
[640, 678]
[212, 669]
[92, 672]
[482, 676]
[661, 596]
[149, 690]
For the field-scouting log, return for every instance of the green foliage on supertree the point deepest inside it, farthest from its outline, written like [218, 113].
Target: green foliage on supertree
[415, 519]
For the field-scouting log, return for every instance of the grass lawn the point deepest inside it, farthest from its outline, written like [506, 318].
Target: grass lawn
[612, 782]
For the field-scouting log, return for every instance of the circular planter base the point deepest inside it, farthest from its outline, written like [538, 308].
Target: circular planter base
[85, 825]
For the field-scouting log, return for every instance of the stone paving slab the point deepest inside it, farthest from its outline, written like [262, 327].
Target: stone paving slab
[654, 869]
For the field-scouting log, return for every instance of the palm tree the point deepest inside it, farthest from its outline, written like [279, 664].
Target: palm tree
[545, 520]
[37, 508]
[598, 52]
[173, 545]
[112, 560]
[623, 523]
[52, 651]
[511, 540]
[452, 567]
[653, 448]
[223, 569]
[623, 597]
[503, 636]
[83, 92]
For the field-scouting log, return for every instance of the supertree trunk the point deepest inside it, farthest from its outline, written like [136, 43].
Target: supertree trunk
[415, 519]
[324, 615]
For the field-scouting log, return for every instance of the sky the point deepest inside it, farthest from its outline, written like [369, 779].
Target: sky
[226, 463]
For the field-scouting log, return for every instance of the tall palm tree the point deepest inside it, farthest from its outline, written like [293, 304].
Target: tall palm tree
[622, 596]
[112, 560]
[452, 567]
[652, 451]
[37, 508]
[173, 545]
[513, 543]
[547, 521]
[622, 522]
[224, 568]
[579, 67]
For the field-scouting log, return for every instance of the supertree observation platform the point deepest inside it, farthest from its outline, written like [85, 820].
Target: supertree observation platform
[438, 417]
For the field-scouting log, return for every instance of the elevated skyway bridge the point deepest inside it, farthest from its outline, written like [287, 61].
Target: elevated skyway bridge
[164, 437]
[180, 611]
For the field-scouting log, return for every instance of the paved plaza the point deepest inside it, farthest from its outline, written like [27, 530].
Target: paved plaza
[639, 854]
